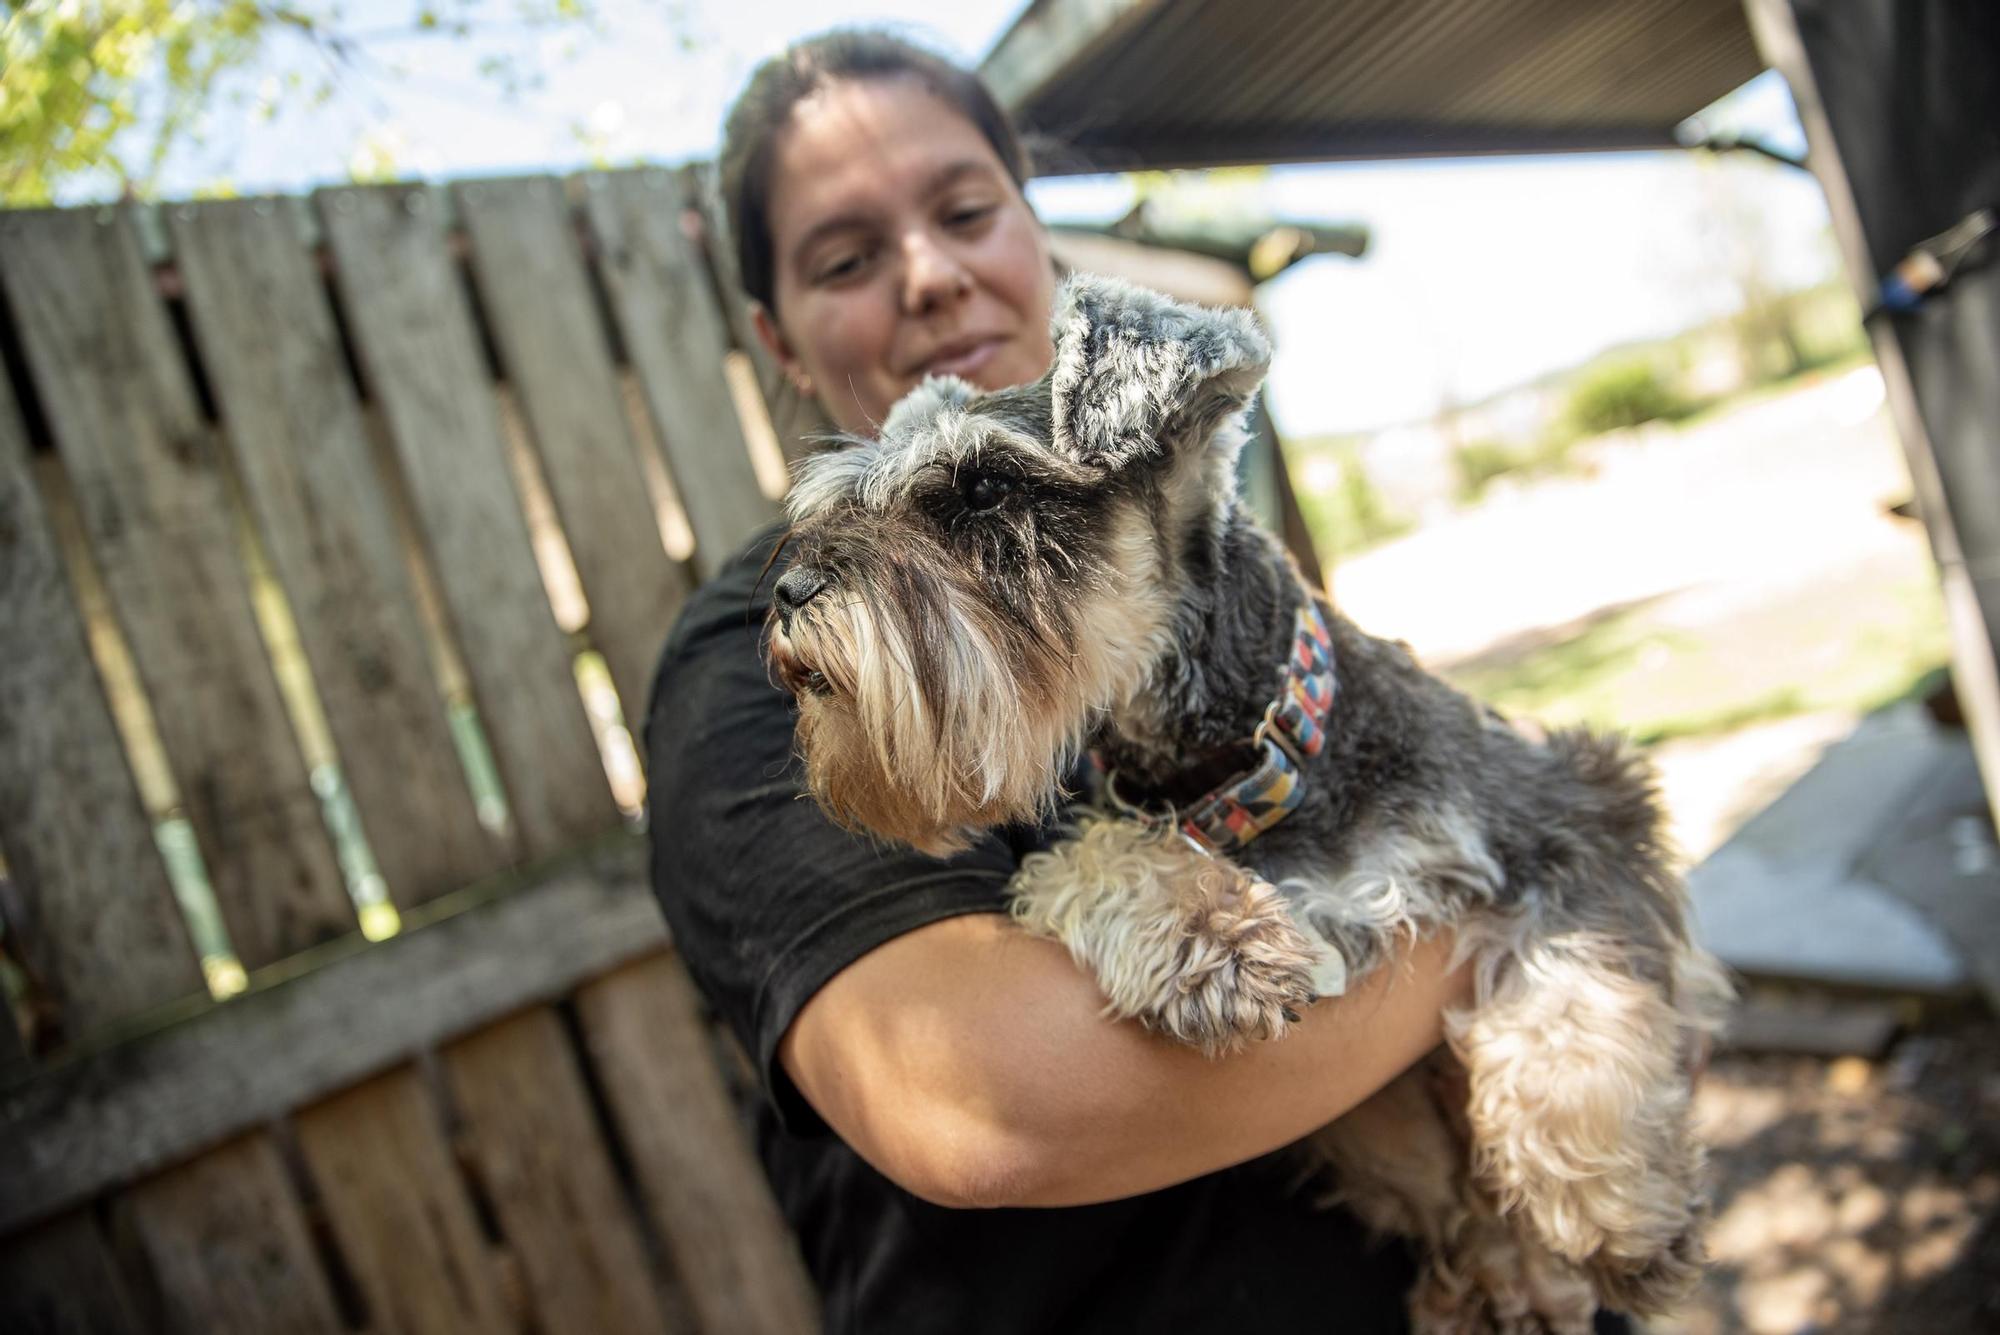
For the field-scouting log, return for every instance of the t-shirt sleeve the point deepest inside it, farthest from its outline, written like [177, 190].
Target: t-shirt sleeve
[766, 897]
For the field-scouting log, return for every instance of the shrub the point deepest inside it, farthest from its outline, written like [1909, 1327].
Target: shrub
[1623, 394]
[1350, 517]
[1480, 461]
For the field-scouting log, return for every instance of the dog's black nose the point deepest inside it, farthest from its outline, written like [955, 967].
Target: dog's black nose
[797, 587]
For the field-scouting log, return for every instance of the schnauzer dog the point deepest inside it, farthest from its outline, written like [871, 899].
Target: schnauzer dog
[1001, 580]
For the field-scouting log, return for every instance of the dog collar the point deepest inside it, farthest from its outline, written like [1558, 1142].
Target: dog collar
[1293, 729]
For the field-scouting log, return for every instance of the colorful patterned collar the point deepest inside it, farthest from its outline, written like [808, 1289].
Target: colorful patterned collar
[1293, 729]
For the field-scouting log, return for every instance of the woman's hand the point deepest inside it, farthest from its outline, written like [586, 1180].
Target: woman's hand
[972, 1064]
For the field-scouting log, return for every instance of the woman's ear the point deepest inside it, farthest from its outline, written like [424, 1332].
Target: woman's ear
[775, 343]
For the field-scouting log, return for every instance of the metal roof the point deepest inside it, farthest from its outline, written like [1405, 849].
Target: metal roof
[1107, 85]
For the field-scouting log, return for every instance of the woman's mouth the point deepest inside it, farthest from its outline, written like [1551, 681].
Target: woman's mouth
[962, 359]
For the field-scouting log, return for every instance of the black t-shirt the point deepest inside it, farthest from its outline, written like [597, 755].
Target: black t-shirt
[768, 900]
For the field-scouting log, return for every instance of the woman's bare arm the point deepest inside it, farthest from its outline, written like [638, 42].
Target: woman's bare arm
[971, 1063]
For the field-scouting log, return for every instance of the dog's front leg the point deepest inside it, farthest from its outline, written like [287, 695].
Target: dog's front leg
[1187, 944]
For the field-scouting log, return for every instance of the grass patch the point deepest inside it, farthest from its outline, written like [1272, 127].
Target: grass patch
[1857, 640]
[1350, 516]
[1479, 463]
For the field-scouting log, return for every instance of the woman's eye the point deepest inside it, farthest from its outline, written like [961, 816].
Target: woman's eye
[968, 216]
[841, 266]
[983, 491]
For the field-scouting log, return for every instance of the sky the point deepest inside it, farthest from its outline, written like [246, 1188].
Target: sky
[1483, 274]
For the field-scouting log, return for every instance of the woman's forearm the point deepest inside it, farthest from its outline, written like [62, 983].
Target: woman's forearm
[973, 1064]
[1170, 1114]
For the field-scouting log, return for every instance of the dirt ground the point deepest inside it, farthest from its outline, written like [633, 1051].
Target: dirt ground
[1852, 1197]
[1751, 553]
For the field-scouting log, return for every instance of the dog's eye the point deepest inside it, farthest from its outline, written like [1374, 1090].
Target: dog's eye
[983, 491]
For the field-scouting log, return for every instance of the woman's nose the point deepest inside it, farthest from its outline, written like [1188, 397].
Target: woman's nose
[932, 276]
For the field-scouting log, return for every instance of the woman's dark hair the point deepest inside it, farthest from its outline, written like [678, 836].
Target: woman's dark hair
[765, 107]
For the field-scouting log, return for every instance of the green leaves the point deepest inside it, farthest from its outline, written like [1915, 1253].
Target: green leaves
[77, 75]
[108, 88]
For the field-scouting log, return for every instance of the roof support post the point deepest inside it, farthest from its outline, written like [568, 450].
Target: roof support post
[1900, 106]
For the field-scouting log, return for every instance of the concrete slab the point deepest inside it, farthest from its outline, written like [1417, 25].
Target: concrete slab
[1814, 887]
[1942, 860]
[1771, 919]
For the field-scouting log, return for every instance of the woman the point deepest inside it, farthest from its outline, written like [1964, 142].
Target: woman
[930, 1067]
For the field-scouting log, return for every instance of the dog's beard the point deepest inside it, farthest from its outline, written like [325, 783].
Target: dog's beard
[925, 754]
[939, 715]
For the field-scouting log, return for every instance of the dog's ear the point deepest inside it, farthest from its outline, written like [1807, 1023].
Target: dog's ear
[1137, 374]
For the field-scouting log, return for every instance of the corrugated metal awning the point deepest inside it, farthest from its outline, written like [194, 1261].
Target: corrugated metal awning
[1106, 85]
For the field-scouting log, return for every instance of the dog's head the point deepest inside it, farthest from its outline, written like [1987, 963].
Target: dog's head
[971, 591]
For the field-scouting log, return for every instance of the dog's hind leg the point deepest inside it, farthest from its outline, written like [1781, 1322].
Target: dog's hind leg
[1495, 1280]
[1399, 1163]
[1578, 1066]
[1189, 945]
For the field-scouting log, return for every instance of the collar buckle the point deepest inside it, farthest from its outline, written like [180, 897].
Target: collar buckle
[1271, 731]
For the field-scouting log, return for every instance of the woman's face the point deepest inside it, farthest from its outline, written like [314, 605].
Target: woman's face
[900, 248]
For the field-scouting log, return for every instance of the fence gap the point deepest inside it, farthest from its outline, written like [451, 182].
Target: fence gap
[27, 396]
[615, 745]
[616, 742]
[132, 714]
[374, 912]
[571, 606]
[483, 238]
[767, 456]
[348, 1298]
[551, 545]
[647, 253]
[668, 1285]
[468, 733]
[373, 909]
[676, 534]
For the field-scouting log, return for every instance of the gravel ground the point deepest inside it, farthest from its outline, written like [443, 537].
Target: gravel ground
[1855, 1197]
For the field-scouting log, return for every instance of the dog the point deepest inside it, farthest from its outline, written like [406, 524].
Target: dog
[1001, 580]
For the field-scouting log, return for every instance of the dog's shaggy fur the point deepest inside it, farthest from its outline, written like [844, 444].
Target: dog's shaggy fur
[1001, 579]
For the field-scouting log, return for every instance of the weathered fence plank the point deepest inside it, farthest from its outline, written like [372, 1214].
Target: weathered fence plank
[152, 496]
[795, 418]
[420, 359]
[230, 1247]
[92, 1123]
[183, 1109]
[289, 408]
[528, 264]
[60, 1279]
[651, 1051]
[675, 339]
[98, 924]
[400, 1212]
[536, 1149]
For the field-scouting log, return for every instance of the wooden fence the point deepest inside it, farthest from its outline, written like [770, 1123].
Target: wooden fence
[337, 538]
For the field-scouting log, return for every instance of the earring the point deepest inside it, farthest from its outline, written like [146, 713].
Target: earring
[804, 385]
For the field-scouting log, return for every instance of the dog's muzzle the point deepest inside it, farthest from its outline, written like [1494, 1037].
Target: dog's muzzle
[795, 588]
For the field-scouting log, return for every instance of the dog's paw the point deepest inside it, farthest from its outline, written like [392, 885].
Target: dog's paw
[1189, 945]
[1243, 971]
